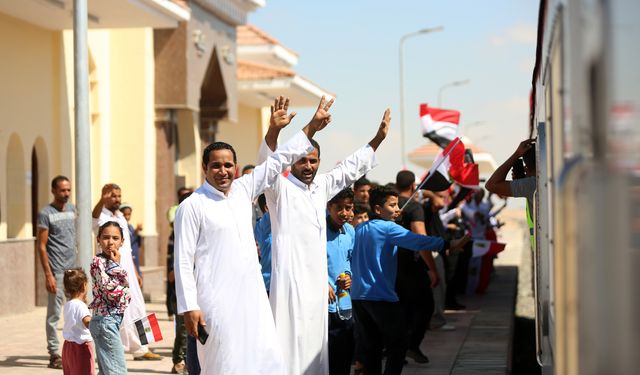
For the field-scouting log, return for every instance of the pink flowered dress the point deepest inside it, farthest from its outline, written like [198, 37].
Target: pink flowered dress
[110, 287]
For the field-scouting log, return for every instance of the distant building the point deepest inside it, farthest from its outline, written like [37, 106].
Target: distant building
[166, 78]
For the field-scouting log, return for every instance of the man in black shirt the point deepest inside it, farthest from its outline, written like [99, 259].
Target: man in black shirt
[416, 270]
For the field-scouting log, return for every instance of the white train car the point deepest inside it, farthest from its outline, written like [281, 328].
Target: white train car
[586, 117]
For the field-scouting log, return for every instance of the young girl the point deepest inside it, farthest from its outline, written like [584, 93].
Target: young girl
[110, 299]
[77, 353]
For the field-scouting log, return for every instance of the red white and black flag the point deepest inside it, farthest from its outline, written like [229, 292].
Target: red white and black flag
[450, 166]
[148, 329]
[439, 125]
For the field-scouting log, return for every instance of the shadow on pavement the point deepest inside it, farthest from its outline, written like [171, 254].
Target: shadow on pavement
[25, 361]
[524, 347]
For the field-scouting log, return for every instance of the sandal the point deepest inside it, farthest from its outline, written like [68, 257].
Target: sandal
[55, 361]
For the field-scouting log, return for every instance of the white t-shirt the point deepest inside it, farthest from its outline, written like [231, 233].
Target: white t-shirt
[74, 330]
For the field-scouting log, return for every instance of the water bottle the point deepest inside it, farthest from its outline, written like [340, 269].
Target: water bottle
[343, 302]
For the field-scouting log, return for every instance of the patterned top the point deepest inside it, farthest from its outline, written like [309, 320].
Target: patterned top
[110, 287]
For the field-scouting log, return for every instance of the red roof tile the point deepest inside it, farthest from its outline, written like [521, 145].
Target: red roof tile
[248, 70]
[251, 35]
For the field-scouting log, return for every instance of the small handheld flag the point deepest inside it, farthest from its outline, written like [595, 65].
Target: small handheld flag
[148, 329]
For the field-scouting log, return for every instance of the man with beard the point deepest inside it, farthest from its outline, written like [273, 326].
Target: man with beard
[297, 204]
[57, 249]
[108, 209]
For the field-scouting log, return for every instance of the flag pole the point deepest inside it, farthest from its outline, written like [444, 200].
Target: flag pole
[433, 168]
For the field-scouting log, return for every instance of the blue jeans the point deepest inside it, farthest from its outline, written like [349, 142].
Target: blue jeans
[109, 350]
[54, 310]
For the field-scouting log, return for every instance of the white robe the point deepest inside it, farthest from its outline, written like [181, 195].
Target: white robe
[136, 309]
[218, 273]
[298, 292]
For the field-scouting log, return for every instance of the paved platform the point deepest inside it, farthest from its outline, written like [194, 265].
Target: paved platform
[23, 347]
[481, 344]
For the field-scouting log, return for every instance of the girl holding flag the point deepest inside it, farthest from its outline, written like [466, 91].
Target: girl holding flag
[110, 299]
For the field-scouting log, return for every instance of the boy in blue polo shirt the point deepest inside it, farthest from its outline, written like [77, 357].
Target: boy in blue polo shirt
[340, 241]
[380, 320]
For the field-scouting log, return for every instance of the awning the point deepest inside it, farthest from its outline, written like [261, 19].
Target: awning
[58, 14]
[259, 84]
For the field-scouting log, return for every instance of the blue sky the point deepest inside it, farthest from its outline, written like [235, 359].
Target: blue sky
[350, 47]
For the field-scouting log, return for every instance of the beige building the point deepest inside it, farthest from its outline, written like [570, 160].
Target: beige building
[166, 77]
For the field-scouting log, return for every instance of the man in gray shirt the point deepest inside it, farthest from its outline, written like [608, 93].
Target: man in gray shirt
[57, 249]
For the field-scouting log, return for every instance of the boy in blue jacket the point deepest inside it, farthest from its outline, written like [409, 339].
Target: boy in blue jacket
[380, 320]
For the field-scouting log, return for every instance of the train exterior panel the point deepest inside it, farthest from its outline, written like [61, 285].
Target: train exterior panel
[586, 117]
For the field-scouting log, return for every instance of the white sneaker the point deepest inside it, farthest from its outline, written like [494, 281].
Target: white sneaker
[447, 327]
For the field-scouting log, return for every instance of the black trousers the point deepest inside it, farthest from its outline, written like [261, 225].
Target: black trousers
[457, 283]
[341, 345]
[413, 286]
[381, 325]
[418, 309]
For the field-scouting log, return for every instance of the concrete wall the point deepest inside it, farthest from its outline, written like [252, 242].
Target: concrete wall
[30, 98]
[17, 277]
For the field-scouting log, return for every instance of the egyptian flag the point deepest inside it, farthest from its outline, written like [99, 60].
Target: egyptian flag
[148, 329]
[439, 125]
[450, 165]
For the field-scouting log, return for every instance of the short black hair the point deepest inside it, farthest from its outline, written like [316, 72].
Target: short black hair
[108, 224]
[56, 180]
[343, 194]
[262, 202]
[247, 167]
[360, 208]
[518, 169]
[316, 145]
[184, 196]
[361, 182]
[217, 146]
[379, 194]
[181, 191]
[404, 180]
[529, 157]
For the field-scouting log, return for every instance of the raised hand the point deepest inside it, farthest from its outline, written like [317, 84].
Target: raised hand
[383, 130]
[279, 117]
[107, 190]
[524, 146]
[322, 117]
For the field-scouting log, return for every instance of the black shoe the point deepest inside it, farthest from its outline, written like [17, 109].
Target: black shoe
[455, 306]
[417, 356]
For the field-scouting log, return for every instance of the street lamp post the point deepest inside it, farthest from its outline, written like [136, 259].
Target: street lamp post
[401, 52]
[450, 84]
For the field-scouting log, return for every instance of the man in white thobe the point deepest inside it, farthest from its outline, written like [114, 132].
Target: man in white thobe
[297, 205]
[108, 209]
[218, 277]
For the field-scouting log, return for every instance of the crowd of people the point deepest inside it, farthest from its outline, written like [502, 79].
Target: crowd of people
[278, 271]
